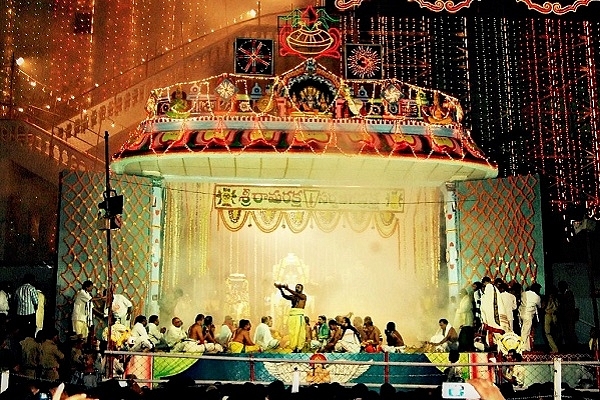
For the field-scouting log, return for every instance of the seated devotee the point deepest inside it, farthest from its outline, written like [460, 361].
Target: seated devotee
[446, 338]
[208, 331]
[320, 334]
[240, 341]
[350, 340]
[263, 337]
[141, 340]
[174, 335]
[156, 334]
[335, 334]
[371, 336]
[395, 343]
[178, 340]
[225, 332]
[119, 334]
[195, 330]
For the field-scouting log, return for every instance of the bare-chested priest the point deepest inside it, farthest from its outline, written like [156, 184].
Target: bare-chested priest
[296, 328]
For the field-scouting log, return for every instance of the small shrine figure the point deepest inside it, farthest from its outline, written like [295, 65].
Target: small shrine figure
[179, 106]
[439, 112]
[151, 104]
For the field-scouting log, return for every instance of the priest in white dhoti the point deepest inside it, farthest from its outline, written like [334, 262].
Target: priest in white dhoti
[446, 338]
[493, 313]
[141, 340]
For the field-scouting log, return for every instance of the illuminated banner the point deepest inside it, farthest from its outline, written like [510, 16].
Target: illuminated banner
[363, 61]
[253, 56]
[308, 34]
[300, 198]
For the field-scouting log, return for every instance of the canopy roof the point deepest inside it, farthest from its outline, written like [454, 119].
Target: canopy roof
[306, 126]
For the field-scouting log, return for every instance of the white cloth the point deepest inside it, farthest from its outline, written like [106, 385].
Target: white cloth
[82, 307]
[264, 338]
[213, 347]
[120, 305]
[510, 305]
[493, 312]
[174, 335]
[530, 302]
[224, 335]
[4, 306]
[393, 349]
[140, 337]
[349, 343]
[464, 312]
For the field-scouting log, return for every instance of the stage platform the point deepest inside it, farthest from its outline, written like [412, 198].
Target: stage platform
[407, 370]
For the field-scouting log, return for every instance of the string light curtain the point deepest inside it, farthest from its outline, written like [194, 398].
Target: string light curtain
[186, 229]
[528, 85]
[204, 245]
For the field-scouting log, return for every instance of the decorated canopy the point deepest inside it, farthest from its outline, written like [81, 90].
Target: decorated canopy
[305, 126]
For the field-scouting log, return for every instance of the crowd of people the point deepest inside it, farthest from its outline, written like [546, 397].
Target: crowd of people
[483, 318]
[337, 334]
[493, 316]
[497, 310]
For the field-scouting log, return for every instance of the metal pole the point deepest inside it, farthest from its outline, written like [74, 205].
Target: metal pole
[109, 270]
[557, 378]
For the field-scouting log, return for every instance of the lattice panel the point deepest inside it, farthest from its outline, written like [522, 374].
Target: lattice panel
[82, 247]
[500, 232]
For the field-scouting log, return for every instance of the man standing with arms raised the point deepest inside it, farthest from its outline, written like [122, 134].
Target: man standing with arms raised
[296, 328]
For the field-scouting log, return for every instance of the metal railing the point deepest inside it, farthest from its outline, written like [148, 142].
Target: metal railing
[23, 140]
[552, 375]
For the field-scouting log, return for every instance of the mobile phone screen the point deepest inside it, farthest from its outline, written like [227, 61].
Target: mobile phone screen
[459, 390]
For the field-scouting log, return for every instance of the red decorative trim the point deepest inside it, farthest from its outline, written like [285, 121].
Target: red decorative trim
[546, 7]
[440, 5]
[343, 5]
[556, 8]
